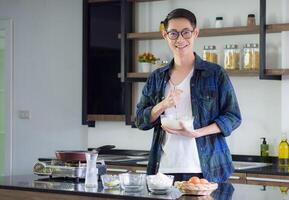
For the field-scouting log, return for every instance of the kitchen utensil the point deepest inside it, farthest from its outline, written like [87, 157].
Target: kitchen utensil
[78, 156]
[91, 170]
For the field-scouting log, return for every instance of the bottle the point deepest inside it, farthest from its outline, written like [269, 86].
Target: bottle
[219, 22]
[91, 175]
[283, 152]
[264, 148]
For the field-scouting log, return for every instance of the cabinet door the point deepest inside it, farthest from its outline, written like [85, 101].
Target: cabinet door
[102, 89]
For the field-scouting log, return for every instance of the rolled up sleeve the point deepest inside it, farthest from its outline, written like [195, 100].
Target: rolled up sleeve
[230, 116]
[144, 108]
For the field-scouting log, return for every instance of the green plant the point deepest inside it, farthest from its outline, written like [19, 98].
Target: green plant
[147, 57]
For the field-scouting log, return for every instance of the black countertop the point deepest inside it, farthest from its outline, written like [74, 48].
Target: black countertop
[139, 158]
[272, 169]
[225, 191]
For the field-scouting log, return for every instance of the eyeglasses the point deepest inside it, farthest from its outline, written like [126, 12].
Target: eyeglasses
[186, 34]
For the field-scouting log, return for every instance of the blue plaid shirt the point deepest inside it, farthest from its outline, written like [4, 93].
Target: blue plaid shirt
[213, 100]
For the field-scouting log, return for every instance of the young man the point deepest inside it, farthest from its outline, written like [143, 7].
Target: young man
[190, 87]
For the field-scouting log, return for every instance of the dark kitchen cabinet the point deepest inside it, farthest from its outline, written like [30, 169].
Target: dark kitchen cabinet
[103, 91]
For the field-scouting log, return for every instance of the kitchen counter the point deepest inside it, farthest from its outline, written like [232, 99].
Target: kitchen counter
[142, 156]
[33, 187]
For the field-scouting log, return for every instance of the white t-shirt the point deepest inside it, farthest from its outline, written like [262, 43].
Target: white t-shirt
[180, 153]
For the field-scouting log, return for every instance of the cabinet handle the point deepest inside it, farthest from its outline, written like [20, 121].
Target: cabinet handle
[266, 179]
[117, 170]
[235, 177]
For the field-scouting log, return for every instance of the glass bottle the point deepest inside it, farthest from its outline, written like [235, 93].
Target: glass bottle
[283, 152]
[91, 177]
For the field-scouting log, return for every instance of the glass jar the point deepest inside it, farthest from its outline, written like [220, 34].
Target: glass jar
[210, 54]
[206, 53]
[232, 57]
[219, 22]
[251, 56]
[213, 54]
[255, 58]
[162, 26]
[251, 20]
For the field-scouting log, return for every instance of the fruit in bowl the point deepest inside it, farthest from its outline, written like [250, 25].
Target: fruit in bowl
[174, 122]
[159, 183]
[110, 181]
[196, 186]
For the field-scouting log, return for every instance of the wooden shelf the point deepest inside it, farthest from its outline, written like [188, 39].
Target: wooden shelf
[243, 72]
[280, 71]
[105, 117]
[209, 32]
[140, 76]
[100, 1]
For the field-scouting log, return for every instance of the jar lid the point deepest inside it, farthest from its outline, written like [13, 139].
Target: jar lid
[212, 47]
[219, 18]
[251, 15]
[206, 47]
[231, 46]
[248, 45]
[255, 45]
[228, 46]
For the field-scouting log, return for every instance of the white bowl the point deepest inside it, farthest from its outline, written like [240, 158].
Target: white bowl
[160, 183]
[172, 122]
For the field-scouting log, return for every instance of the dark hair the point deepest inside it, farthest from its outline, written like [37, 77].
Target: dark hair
[180, 13]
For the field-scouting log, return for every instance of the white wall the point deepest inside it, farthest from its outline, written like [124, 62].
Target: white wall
[260, 100]
[47, 78]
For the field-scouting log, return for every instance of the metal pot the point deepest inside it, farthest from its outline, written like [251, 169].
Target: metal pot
[76, 156]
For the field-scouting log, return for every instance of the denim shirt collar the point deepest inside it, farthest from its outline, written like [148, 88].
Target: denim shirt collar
[198, 65]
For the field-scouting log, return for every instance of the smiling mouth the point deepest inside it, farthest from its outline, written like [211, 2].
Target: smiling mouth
[181, 47]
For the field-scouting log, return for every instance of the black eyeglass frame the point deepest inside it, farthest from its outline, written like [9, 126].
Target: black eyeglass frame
[180, 33]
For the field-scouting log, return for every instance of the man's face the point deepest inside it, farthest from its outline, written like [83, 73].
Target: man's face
[180, 36]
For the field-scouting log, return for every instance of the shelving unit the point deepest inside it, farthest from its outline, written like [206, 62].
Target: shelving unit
[211, 32]
[264, 72]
